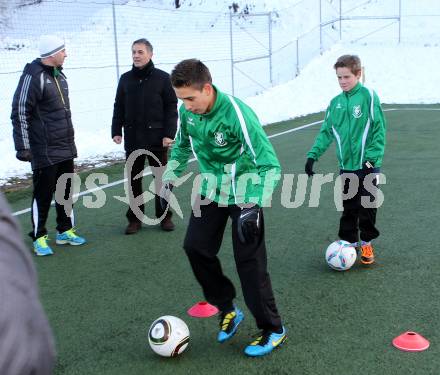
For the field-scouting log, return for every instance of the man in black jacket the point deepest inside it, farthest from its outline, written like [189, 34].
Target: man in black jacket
[146, 107]
[43, 135]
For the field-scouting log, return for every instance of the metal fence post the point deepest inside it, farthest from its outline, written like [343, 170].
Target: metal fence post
[297, 57]
[340, 19]
[232, 52]
[400, 19]
[115, 34]
[270, 49]
[320, 29]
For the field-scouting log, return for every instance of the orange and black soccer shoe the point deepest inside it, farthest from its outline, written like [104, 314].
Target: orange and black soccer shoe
[367, 253]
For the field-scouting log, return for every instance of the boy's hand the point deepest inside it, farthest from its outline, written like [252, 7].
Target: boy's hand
[165, 193]
[368, 165]
[309, 167]
[249, 224]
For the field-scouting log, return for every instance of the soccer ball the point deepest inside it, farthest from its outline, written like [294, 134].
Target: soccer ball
[340, 255]
[168, 336]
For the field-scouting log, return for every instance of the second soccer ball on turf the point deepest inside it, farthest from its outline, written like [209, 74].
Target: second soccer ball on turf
[340, 255]
[168, 336]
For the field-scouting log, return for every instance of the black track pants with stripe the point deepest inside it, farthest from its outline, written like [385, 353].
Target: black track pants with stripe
[202, 244]
[358, 221]
[45, 182]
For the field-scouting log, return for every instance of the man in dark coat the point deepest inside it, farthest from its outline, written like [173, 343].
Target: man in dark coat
[44, 136]
[26, 342]
[146, 108]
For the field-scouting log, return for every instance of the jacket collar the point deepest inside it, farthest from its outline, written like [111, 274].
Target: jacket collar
[144, 72]
[219, 99]
[52, 70]
[354, 90]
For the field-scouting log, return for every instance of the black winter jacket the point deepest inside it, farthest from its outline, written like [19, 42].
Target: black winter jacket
[146, 107]
[41, 116]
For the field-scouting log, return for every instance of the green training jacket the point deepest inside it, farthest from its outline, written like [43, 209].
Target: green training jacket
[236, 159]
[355, 120]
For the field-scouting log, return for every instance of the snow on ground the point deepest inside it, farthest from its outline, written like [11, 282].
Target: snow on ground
[399, 74]
[402, 73]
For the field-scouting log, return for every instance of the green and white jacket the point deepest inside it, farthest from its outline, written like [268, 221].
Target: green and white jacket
[236, 159]
[355, 120]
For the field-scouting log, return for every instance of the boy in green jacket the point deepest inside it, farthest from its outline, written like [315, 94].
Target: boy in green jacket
[239, 170]
[355, 120]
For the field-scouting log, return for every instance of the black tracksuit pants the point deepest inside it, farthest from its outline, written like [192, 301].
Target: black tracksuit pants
[136, 184]
[358, 221]
[45, 182]
[202, 244]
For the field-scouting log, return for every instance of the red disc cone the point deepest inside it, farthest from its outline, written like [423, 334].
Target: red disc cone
[411, 342]
[202, 310]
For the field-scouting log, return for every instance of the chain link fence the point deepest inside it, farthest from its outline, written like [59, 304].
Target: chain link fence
[247, 53]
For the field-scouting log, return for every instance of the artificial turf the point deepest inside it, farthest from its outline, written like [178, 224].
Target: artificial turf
[101, 298]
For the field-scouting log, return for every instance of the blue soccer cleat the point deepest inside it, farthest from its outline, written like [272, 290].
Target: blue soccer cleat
[264, 344]
[229, 323]
[41, 248]
[70, 237]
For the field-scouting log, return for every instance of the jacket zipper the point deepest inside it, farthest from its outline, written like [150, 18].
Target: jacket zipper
[59, 90]
[64, 104]
[349, 128]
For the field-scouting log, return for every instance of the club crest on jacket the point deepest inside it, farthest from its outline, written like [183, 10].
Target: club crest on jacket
[220, 139]
[357, 112]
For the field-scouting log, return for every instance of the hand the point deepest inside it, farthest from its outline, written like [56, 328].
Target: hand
[167, 142]
[309, 167]
[117, 139]
[165, 193]
[367, 165]
[24, 155]
[249, 224]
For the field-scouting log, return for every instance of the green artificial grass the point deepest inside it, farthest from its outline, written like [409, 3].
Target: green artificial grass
[102, 297]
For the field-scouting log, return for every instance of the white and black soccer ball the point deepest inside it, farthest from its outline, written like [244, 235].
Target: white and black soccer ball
[168, 336]
[340, 255]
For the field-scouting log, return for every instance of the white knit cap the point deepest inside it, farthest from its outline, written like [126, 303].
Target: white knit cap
[50, 45]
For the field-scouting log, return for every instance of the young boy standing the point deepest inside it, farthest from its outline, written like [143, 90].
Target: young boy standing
[355, 120]
[231, 147]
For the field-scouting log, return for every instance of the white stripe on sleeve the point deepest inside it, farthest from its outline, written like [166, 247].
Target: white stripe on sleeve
[367, 127]
[338, 140]
[243, 126]
[22, 110]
